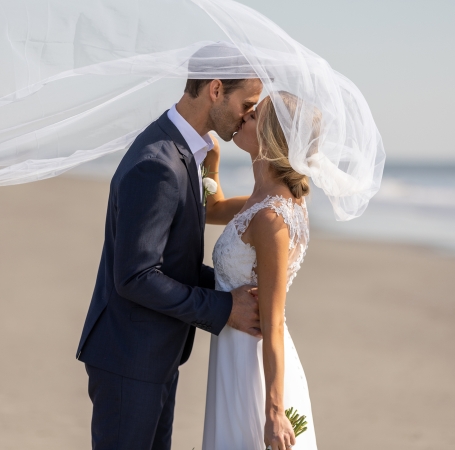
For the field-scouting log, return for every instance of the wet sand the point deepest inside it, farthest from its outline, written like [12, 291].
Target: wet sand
[374, 324]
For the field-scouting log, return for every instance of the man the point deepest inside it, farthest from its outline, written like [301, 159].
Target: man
[152, 289]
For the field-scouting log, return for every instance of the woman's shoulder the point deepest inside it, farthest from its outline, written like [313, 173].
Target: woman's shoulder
[288, 209]
[268, 227]
[278, 211]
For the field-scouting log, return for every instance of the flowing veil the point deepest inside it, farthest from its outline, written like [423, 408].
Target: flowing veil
[80, 80]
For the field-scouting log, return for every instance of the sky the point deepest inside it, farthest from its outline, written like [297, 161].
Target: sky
[400, 53]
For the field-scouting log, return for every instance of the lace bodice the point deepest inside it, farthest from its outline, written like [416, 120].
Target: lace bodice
[235, 261]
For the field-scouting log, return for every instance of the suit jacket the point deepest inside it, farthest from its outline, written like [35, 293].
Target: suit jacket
[152, 288]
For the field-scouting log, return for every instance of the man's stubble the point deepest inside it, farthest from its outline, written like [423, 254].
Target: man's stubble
[221, 121]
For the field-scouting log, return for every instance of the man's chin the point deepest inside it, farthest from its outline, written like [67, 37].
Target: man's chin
[227, 137]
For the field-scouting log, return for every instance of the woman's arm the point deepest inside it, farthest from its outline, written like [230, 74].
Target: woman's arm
[269, 235]
[220, 211]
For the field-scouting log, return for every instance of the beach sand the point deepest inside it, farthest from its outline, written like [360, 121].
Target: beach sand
[374, 325]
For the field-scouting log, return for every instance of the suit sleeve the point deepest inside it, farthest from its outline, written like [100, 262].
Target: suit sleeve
[207, 277]
[147, 200]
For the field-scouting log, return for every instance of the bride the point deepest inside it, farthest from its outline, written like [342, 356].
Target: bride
[252, 381]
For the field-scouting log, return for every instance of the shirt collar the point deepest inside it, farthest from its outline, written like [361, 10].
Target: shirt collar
[195, 141]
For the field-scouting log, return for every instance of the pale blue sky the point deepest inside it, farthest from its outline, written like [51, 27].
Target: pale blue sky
[400, 53]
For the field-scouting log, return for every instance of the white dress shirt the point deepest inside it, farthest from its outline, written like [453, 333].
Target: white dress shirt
[199, 145]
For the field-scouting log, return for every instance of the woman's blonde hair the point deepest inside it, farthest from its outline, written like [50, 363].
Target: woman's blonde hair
[273, 145]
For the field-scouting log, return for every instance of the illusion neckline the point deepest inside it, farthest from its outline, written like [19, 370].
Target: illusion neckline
[270, 197]
[266, 198]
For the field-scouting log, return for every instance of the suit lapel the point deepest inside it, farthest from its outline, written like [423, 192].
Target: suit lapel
[187, 158]
[190, 165]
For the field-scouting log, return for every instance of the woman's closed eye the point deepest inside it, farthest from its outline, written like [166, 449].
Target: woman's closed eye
[248, 106]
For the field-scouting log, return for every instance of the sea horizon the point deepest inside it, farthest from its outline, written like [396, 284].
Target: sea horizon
[415, 205]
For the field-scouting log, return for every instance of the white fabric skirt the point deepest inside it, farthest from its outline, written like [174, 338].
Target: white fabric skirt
[235, 408]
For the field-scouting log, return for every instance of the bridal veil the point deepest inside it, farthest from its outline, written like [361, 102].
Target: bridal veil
[81, 79]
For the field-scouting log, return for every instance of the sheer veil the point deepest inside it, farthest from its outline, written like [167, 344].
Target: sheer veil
[80, 80]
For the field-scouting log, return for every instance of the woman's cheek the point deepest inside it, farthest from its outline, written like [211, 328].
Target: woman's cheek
[251, 130]
[253, 134]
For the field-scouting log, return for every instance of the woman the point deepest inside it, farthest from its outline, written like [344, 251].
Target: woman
[252, 381]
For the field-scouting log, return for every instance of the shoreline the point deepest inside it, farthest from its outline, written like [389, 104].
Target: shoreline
[372, 322]
[320, 232]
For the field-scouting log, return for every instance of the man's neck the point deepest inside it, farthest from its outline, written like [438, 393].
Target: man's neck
[193, 112]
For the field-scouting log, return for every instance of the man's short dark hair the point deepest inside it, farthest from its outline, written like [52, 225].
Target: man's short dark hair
[194, 87]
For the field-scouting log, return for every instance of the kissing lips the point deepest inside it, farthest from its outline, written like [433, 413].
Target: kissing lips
[238, 128]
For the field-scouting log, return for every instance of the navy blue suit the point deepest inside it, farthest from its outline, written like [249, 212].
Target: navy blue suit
[151, 291]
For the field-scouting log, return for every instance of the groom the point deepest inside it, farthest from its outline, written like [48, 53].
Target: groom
[152, 288]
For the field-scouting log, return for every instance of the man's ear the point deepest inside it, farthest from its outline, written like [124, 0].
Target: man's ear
[215, 90]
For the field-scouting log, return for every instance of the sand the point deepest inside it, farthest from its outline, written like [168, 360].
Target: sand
[374, 324]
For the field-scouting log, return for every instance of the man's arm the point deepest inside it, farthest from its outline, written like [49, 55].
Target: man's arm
[207, 277]
[147, 201]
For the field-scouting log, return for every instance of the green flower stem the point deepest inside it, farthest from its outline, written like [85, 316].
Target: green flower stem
[299, 424]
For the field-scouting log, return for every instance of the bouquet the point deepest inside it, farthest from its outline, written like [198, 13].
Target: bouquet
[299, 424]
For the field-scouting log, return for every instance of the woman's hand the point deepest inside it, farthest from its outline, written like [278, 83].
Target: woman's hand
[278, 432]
[219, 210]
[216, 144]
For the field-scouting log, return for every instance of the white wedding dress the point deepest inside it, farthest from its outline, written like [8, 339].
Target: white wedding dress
[235, 408]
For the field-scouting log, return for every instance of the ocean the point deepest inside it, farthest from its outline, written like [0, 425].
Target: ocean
[415, 205]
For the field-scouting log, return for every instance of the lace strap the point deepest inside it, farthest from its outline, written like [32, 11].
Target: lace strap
[295, 216]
